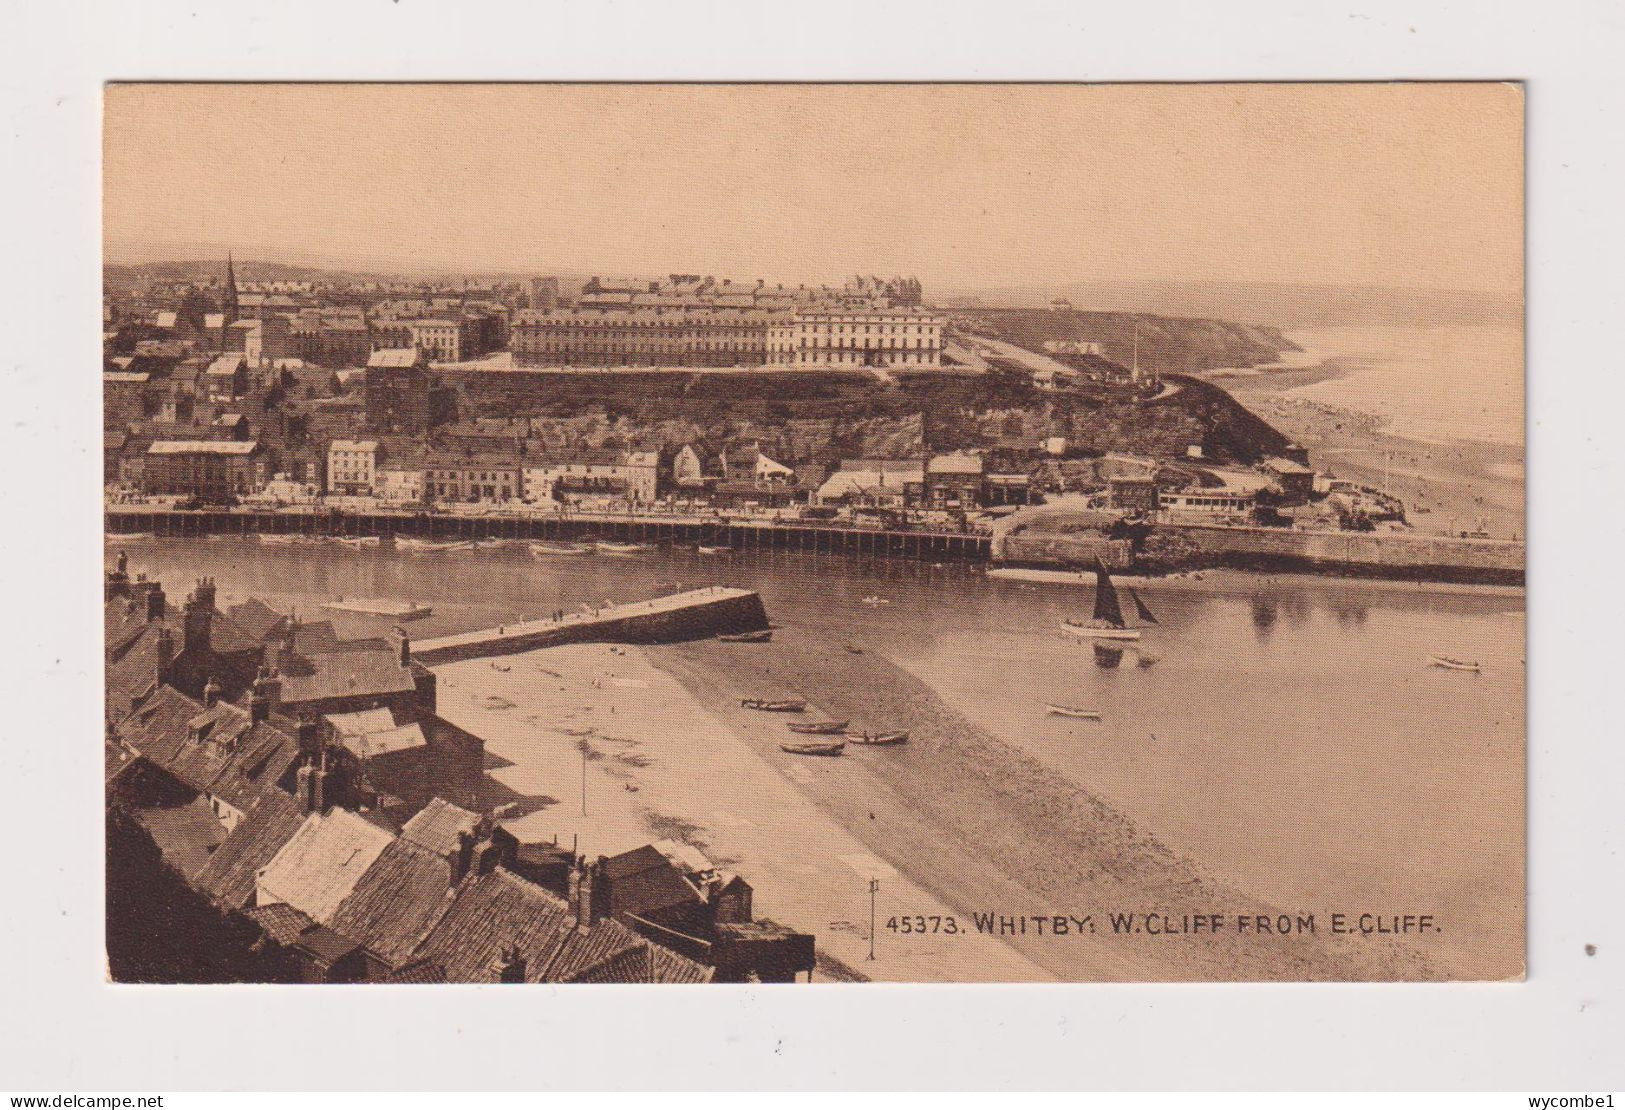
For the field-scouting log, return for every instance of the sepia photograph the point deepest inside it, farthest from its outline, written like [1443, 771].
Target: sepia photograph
[701, 534]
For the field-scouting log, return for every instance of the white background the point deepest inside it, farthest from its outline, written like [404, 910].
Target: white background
[63, 1029]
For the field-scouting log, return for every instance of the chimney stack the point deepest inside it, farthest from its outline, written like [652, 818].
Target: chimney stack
[164, 648]
[211, 693]
[403, 646]
[509, 966]
[266, 695]
[465, 856]
[309, 790]
[305, 731]
[198, 619]
[156, 602]
[587, 902]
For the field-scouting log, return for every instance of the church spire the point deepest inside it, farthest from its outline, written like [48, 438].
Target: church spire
[231, 292]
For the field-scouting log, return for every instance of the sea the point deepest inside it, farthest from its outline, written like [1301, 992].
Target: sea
[1433, 384]
[1285, 732]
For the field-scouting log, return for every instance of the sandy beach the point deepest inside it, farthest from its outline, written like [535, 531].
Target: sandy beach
[658, 764]
[1448, 486]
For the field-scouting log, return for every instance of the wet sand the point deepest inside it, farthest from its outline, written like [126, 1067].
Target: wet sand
[984, 827]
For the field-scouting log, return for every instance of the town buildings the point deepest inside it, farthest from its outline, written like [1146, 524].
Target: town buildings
[352, 466]
[213, 471]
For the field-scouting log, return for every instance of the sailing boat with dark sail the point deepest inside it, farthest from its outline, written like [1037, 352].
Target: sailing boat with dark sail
[1107, 622]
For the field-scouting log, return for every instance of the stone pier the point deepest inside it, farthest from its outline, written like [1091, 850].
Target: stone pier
[690, 615]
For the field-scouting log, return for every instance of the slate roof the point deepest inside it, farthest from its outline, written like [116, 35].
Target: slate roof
[134, 675]
[437, 824]
[397, 901]
[231, 757]
[492, 912]
[643, 882]
[281, 922]
[346, 674]
[229, 877]
[321, 863]
[419, 971]
[257, 620]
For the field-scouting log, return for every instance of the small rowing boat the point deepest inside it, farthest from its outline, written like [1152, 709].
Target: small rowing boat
[760, 636]
[876, 739]
[541, 550]
[1451, 664]
[854, 649]
[359, 542]
[608, 547]
[278, 538]
[713, 549]
[814, 747]
[872, 599]
[820, 728]
[127, 537]
[1073, 711]
[782, 705]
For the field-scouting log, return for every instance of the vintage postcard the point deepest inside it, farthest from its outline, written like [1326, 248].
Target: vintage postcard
[814, 533]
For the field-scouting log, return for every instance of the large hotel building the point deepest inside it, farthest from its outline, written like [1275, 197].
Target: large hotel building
[689, 321]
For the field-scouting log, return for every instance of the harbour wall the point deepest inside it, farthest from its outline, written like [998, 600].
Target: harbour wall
[692, 615]
[1399, 555]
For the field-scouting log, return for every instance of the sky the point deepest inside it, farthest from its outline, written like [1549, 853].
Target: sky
[965, 186]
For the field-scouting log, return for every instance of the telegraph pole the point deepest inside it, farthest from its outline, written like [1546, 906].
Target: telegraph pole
[874, 885]
[583, 746]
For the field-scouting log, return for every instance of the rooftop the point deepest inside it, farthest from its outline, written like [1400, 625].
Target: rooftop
[316, 870]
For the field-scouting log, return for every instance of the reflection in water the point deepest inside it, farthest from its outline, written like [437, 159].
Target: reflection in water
[1265, 614]
[1108, 658]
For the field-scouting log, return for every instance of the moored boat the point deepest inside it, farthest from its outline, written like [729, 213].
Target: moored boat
[126, 537]
[542, 549]
[1073, 711]
[609, 547]
[760, 636]
[1452, 664]
[359, 542]
[278, 538]
[781, 705]
[411, 544]
[874, 599]
[813, 747]
[820, 728]
[713, 549]
[1107, 622]
[877, 739]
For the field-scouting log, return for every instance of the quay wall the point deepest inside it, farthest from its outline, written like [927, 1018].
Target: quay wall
[802, 537]
[1165, 547]
[697, 615]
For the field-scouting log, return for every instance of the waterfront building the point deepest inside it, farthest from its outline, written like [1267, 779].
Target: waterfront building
[1211, 505]
[873, 483]
[474, 477]
[400, 480]
[211, 470]
[352, 466]
[628, 475]
[1291, 477]
[953, 481]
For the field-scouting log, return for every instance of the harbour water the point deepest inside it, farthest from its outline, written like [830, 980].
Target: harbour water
[1285, 733]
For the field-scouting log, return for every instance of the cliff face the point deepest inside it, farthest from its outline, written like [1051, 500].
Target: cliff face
[1167, 344]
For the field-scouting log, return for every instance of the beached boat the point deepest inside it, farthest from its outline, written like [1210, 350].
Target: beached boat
[1073, 711]
[760, 636]
[541, 550]
[411, 544]
[713, 549]
[1452, 664]
[608, 547]
[814, 747]
[359, 542]
[874, 600]
[277, 538]
[877, 739]
[820, 728]
[1107, 622]
[126, 537]
[782, 705]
